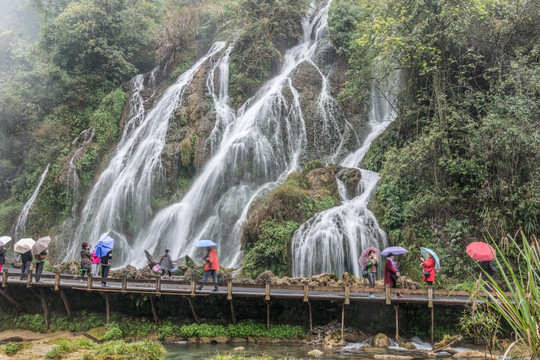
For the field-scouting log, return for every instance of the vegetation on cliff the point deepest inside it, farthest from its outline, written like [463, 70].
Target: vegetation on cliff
[462, 158]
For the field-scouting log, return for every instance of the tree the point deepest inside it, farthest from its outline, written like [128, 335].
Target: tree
[105, 37]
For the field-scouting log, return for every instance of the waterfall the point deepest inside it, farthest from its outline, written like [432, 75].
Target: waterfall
[259, 147]
[332, 240]
[20, 228]
[72, 177]
[120, 200]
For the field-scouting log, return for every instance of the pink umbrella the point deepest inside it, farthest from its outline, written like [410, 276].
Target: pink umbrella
[363, 259]
[481, 251]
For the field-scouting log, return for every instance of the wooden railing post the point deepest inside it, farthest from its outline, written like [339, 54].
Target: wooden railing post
[124, 283]
[89, 283]
[387, 294]
[29, 278]
[306, 293]
[4, 278]
[229, 290]
[158, 285]
[192, 288]
[56, 280]
[267, 291]
[347, 294]
[430, 296]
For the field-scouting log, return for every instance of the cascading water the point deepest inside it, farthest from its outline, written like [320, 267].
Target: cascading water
[258, 149]
[120, 200]
[332, 240]
[20, 228]
[72, 178]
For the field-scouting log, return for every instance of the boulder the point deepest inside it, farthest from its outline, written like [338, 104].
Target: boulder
[220, 339]
[315, 353]
[473, 354]
[354, 338]
[447, 341]
[351, 178]
[392, 357]
[239, 348]
[407, 345]
[380, 341]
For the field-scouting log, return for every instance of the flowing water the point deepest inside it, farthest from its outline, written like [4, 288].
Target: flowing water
[72, 178]
[332, 241]
[20, 227]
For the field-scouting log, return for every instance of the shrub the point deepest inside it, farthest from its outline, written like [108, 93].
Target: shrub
[113, 333]
[11, 348]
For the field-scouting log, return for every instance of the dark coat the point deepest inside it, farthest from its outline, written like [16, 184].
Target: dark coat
[488, 267]
[2, 256]
[106, 260]
[27, 256]
[86, 263]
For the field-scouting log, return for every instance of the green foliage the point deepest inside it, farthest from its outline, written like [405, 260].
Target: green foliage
[521, 308]
[11, 348]
[101, 37]
[149, 350]
[481, 324]
[113, 333]
[105, 120]
[271, 252]
[268, 29]
[242, 330]
[35, 322]
[313, 164]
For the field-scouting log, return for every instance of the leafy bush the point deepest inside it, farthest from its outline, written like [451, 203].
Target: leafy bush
[11, 348]
[113, 333]
[242, 330]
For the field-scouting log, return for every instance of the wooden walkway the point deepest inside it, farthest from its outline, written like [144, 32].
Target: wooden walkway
[230, 290]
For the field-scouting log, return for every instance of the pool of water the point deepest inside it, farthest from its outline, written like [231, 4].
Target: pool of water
[190, 351]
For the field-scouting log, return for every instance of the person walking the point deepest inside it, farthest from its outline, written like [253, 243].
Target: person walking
[165, 264]
[371, 268]
[391, 272]
[26, 259]
[429, 269]
[86, 261]
[95, 263]
[2, 259]
[105, 267]
[40, 263]
[210, 267]
[488, 273]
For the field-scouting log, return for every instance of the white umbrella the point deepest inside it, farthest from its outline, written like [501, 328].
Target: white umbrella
[23, 245]
[41, 245]
[4, 240]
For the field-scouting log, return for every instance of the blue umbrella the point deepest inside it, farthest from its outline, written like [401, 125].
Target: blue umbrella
[426, 251]
[204, 243]
[396, 250]
[104, 246]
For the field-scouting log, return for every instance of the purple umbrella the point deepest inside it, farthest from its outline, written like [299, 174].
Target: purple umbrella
[363, 259]
[396, 250]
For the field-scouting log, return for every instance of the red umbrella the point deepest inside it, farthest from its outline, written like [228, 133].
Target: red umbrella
[481, 251]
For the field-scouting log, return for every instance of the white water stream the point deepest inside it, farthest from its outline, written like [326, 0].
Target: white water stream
[332, 240]
[20, 227]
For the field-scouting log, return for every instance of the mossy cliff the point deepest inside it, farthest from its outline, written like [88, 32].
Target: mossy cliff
[273, 219]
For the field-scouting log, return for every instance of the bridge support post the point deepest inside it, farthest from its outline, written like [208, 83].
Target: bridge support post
[66, 304]
[396, 307]
[268, 315]
[45, 309]
[310, 318]
[29, 279]
[107, 307]
[432, 323]
[56, 280]
[342, 320]
[233, 314]
[153, 309]
[387, 294]
[11, 300]
[193, 310]
[89, 282]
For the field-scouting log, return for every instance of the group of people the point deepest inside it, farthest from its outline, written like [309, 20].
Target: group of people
[90, 263]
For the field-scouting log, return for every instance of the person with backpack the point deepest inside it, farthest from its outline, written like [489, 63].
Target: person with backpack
[371, 268]
[86, 261]
[210, 267]
[165, 264]
[40, 263]
[95, 263]
[105, 267]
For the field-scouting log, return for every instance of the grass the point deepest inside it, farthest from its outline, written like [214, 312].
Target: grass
[520, 305]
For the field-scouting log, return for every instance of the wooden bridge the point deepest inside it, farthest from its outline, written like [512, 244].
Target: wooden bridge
[230, 290]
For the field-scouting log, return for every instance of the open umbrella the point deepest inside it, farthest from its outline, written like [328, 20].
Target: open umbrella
[4, 240]
[481, 251]
[104, 246]
[204, 243]
[426, 251]
[363, 259]
[396, 250]
[23, 245]
[40, 245]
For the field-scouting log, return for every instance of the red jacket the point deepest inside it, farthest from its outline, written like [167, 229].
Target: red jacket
[212, 262]
[389, 268]
[429, 266]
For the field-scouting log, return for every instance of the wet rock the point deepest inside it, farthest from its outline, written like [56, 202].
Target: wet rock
[351, 178]
[239, 348]
[407, 345]
[169, 339]
[447, 341]
[473, 354]
[354, 338]
[380, 341]
[68, 267]
[315, 353]
[220, 339]
[236, 340]
[392, 357]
